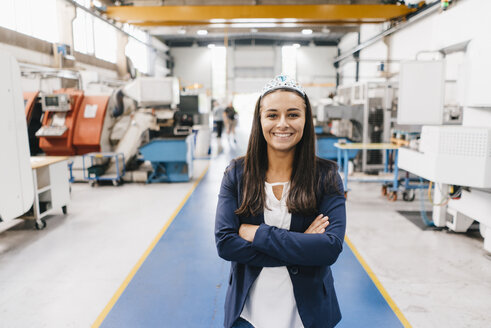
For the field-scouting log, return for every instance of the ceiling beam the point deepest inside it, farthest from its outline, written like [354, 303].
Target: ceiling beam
[192, 15]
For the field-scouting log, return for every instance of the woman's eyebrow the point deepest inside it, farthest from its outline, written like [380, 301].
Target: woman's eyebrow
[293, 109]
[271, 110]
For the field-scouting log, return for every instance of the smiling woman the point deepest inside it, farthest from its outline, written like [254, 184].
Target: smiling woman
[281, 219]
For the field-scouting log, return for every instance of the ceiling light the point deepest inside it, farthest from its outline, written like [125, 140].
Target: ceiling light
[211, 46]
[325, 30]
[296, 45]
[253, 30]
[218, 20]
[256, 25]
[306, 31]
[254, 20]
[202, 32]
[289, 20]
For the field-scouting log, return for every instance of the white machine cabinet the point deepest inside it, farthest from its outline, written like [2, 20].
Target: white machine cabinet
[16, 190]
[51, 187]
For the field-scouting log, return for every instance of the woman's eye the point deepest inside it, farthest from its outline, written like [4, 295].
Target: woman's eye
[272, 115]
[292, 115]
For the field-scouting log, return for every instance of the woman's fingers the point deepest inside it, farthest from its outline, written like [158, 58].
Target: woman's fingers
[321, 222]
[318, 225]
[322, 227]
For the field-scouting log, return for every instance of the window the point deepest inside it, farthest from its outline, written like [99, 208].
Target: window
[105, 41]
[94, 36]
[31, 17]
[83, 32]
[137, 51]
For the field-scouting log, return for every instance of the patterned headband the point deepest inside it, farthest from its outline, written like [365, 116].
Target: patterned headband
[282, 82]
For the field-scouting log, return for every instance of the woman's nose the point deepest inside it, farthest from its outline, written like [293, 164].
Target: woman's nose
[283, 122]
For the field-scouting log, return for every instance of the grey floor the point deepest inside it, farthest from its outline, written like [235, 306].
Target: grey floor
[65, 275]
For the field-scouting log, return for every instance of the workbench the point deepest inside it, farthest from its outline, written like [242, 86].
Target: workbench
[51, 187]
[390, 149]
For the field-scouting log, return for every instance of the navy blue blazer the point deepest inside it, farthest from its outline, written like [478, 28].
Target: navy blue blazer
[307, 256]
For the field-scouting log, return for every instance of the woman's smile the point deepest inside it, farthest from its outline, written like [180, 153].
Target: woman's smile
[282, 135]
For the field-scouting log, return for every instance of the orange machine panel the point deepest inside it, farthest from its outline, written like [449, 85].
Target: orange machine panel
[63, 145]
[88, 130]
[29, 101]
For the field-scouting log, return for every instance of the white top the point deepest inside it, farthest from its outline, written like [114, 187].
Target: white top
[271, 303]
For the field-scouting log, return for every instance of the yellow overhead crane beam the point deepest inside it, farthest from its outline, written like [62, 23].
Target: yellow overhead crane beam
[301, 14]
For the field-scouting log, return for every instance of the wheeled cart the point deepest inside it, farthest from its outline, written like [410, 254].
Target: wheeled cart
[99, 162]
[51, 188]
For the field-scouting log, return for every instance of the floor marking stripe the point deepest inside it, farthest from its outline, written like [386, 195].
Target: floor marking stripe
[137, 266]
[378, 284]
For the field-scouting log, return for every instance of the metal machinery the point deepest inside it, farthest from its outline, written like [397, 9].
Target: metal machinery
[171, 144]
[34, 114]
[61, 111]
[362, 113]
[334, 122]
[77, 123]
[456, 158]
[171, 159]
[16, 187]
[73, 122]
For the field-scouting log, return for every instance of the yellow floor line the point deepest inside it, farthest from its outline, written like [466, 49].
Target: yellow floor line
[137, 266]
[377, 283]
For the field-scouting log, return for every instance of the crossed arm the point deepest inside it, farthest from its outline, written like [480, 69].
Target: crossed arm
[269, 246]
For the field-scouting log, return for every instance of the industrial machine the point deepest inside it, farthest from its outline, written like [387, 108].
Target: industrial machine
[171, 159]
[360, 112]
[16, 187]
[61, 111]
[456, 158]
[34, 114]
[77, 123]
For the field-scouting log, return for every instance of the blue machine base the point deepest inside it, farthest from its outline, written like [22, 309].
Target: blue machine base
[326, 149]
[169, 172]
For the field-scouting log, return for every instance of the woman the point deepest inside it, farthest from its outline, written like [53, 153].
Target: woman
[281, 219]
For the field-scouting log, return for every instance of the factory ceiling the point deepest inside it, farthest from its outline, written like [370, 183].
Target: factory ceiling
[183, 23]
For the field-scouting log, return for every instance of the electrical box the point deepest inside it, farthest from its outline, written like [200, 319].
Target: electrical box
[421, 92]
[154, 91]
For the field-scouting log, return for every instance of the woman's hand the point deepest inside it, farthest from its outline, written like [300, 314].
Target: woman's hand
[248, 231]
[318, 225]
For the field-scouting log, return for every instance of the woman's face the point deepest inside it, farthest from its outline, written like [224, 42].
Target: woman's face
[282, 119]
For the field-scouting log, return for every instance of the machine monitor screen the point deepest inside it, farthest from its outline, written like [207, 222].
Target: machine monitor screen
[189, 104]
[51, 101]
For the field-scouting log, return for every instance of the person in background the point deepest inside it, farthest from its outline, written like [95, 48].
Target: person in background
[218, 116]
[231, 122]
[281, 219]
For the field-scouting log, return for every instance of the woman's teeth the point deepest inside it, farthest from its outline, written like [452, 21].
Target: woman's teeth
[282, 135]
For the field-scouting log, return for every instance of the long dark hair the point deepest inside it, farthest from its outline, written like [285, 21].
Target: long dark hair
[301, 197]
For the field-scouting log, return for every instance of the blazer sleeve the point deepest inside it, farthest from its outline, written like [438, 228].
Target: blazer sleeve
[230, 245]
[308, 249]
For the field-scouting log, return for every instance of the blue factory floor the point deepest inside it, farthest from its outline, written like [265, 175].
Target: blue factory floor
[182, 282]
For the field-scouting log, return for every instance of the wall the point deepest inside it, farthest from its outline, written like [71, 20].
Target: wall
[192, 65]
[315, 71]
[251, 67]
[467, 19]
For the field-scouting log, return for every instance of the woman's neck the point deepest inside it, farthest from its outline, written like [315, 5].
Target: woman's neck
[279, 166]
